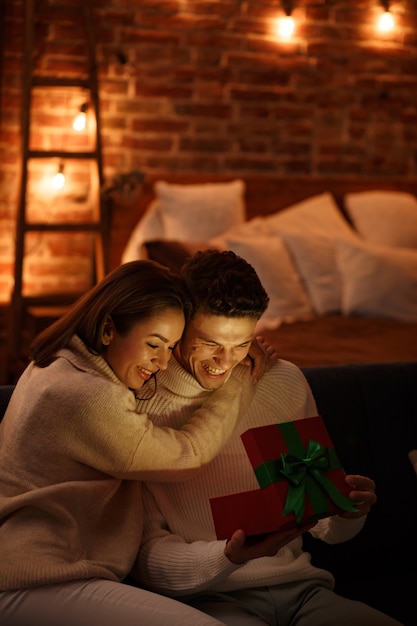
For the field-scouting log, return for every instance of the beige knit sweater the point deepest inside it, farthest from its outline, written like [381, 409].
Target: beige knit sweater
[180, 553]
[73, 449]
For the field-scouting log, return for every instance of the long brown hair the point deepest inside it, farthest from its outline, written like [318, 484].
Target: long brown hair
[131, 293]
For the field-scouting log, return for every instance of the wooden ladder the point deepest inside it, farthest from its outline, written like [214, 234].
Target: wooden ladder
[49, 306]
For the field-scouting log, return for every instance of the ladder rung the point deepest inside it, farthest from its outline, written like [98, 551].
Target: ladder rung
[48, 154]
[50, 300]
[52, 311]
[52, 81]
[93, 227]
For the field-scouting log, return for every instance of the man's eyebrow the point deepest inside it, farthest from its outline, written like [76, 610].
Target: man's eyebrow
[207, 338]
[211, 340]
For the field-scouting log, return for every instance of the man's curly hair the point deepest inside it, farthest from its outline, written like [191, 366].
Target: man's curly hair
[222, 283]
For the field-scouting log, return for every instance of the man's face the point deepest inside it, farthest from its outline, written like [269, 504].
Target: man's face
[212, 345]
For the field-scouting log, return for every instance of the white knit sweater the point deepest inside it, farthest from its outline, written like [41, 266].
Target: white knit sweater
[180, 553]
[73, 450]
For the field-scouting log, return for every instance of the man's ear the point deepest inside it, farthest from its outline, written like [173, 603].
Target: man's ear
[108, 332]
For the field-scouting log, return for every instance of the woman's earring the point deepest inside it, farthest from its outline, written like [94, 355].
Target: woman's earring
[107, 333]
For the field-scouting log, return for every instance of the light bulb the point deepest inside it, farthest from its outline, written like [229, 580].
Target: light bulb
[80, 120]
[386, 22]
[58, 180]
[285, 26]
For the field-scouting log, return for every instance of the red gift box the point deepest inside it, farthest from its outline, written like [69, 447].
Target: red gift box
[300, 477]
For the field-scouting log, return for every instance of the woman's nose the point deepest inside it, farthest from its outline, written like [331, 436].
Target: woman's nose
[162, 360]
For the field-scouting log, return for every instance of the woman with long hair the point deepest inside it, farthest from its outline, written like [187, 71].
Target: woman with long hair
[74, 450]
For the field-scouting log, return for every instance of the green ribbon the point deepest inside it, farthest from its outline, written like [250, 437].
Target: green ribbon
[304, 468]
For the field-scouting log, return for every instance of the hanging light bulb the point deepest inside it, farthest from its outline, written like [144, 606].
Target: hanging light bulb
[80, 120]
[285, 25]
[58, 180]
[385, 21]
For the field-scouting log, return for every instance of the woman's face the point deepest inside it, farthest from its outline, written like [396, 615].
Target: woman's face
[146, 349]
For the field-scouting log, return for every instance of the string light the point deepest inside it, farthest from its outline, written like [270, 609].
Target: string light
[80, 120]
[58, 180]
[285, 25]
[386, 20]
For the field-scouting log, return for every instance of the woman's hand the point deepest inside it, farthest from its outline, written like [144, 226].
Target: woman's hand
[261, 357]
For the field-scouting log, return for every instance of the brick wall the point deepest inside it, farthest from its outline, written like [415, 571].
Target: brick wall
[207, 86]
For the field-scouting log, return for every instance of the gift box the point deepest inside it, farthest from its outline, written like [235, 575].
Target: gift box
[300, 480]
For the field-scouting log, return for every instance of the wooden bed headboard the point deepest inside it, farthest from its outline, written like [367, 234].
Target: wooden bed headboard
[264, 195]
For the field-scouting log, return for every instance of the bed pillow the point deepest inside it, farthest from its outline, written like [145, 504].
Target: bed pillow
[169, 253]
[384, 217]
[318, 214]
[310, 229]
[315, 259]
[378, 281]
[268, 255]
[197, 212]
[148, 228]
[172, 254]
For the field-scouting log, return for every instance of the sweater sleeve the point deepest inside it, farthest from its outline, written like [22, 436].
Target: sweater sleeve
[103, 430]
[200, 439]
[336, 529]
[168, 564]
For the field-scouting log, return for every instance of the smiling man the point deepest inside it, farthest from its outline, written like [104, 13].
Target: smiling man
[240, 582]
[213, 345]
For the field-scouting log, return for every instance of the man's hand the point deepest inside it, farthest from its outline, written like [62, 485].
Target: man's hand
[261, 357]
[240, 548]
[362, 494]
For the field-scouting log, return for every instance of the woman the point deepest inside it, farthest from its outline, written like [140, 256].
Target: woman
[73, 451]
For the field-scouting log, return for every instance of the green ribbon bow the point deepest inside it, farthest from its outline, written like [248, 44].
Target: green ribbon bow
[304, 469]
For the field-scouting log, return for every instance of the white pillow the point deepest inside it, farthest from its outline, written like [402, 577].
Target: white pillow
[147, 229]
[310, 229]
[288, 300]
[197, 212]
[384, 217]
[315, 258]
[318, 214]
[378, 281]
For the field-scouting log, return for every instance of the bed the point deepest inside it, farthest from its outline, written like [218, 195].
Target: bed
[338, 257]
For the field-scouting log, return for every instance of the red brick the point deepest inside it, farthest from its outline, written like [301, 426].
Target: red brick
[208, 87]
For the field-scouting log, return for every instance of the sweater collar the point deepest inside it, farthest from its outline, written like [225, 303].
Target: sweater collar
[177, 380]
[83, 359]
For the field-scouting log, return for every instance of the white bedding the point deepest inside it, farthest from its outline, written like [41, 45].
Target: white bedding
[309, 257]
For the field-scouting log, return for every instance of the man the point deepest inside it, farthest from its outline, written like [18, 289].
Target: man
[240, 582]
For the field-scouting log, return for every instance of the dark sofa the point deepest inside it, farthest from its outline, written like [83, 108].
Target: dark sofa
[371, 414]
